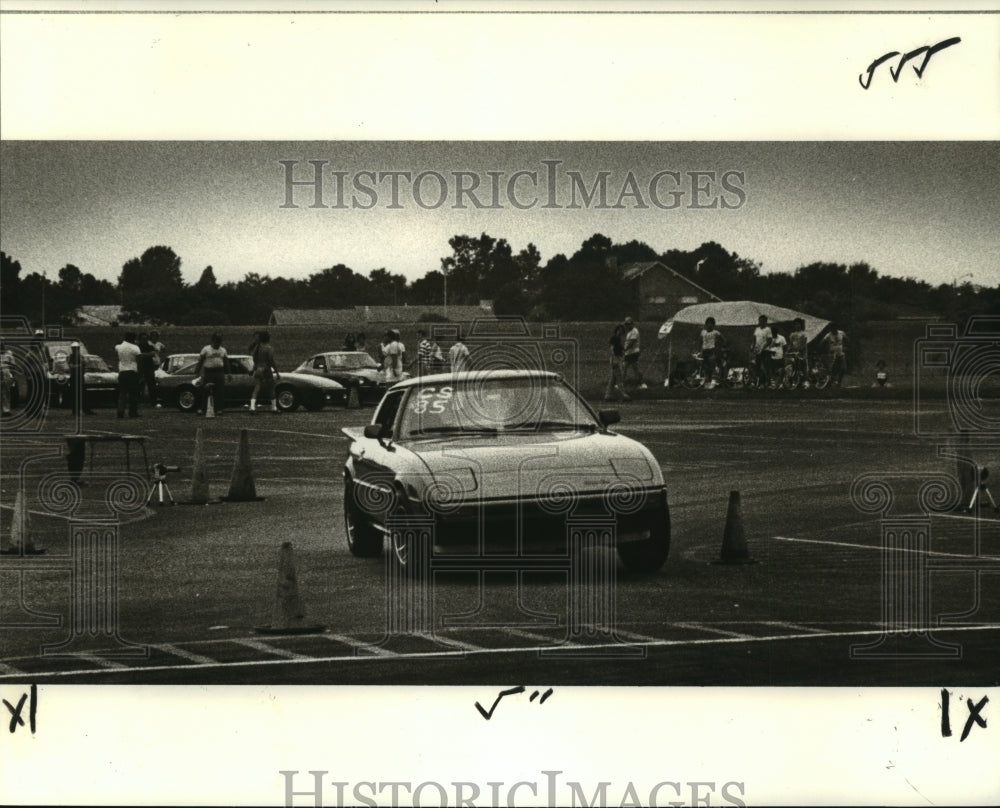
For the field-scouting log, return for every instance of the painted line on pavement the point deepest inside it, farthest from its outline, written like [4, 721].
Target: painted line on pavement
[487, 651]
[880, 547]
[173, 650]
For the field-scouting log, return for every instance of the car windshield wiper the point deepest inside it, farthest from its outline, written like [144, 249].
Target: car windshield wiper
[455, 429]
[576, 427]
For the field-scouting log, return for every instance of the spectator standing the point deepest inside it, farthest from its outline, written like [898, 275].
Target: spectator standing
[265, 371]
[360, 342]
[758, 347]
[797, 354]
[159, 355]
[632, 349]
[835, 343]
[79, 400]
[349, 342]
[147, 370]
[776, 349]
[211, 369]
[881, 374]
[616, 353]
[458, 355]
[712, 342]
[128, 375]
[7, 381]
[395, 353]
[425, 353]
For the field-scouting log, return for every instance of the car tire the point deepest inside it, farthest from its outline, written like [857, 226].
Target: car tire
[363, 539]
[649, 555]
[287, 398]
[187, 399]
[410, 551]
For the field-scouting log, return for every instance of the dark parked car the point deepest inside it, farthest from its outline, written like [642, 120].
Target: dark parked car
[184, 389]
[349, 368]
[100, 381]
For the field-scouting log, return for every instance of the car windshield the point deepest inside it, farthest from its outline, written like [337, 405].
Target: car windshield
[487, 406]
[349, 361]
[95, 364]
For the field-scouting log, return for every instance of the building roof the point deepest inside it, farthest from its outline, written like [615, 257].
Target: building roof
[363, 315]
[633, 271]
[98, 315]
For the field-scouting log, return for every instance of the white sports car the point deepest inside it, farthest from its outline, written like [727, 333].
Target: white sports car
[500, 461]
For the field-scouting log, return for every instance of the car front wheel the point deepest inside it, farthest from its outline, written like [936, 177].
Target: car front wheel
[650, 554]
[287, 398]
[187, 399]
[363, 540]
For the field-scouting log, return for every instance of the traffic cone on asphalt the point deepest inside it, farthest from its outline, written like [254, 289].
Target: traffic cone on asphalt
[353, 399]
[241, 486]
[209, 400]
[289, 614]
[20, 531]
[734, 542]
[199, 479]
[967, 473]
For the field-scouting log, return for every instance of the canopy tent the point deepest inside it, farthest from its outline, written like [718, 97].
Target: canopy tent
[747, 313]
[736, 319]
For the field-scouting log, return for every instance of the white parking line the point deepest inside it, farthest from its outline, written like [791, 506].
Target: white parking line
[793, 626]
[879, 547]
[467, 646]
[10, 670]
[108, 664]
[375, 650]
[939, 630]
[173, 650]
[713, 630]
[257, 645]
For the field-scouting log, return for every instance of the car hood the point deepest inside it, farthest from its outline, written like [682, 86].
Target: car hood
[525, 465]
[309, 380]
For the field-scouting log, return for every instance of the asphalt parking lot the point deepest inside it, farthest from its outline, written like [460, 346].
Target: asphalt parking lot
[823, 604]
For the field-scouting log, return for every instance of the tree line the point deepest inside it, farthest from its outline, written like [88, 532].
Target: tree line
[586, 285]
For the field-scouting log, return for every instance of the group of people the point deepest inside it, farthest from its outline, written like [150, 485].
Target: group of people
[770, 352]
[429, 358]
[139, 357]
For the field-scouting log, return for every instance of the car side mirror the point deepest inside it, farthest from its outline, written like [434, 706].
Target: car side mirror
[609, 417]
[373, 431]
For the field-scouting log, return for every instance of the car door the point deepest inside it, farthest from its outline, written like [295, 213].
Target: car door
[239, 381]
[375, 462]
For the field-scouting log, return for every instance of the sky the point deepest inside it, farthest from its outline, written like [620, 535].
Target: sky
[927, 210]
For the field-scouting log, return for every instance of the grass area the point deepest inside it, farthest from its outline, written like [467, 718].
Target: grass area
[892, 341]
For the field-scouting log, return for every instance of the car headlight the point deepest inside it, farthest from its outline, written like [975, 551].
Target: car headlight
[634, 467]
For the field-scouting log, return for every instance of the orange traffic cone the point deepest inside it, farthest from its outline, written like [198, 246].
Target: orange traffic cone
[20, 531]
[289, 613]
[734, 542]
[199, 479]
[241, 486]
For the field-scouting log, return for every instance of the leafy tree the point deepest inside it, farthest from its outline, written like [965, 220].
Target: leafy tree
[10, 284]
[152, 284]
[386, 288]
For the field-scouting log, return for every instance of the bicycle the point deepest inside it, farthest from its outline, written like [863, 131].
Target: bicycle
[695, 376]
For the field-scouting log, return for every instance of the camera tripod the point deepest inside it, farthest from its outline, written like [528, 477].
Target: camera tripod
[159, 485]
[982, 490]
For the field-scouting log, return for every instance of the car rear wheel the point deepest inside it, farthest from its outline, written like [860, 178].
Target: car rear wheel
[363, 540]
[287, 398]
[650, 554]
[187, 399]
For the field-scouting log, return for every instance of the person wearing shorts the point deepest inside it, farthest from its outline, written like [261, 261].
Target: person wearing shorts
[265, 372]
[712, 343]
[211, 369]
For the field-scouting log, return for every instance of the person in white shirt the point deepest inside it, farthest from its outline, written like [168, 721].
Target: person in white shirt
[758, 348]
[458, 355]
[128, 375]
[632, 350]
[776, 349]
[394, 352]
[211, 369]
[711, 342]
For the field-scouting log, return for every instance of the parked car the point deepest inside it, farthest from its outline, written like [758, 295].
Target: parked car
[175, 362]
[100, 381]
[349, 368]
[184, 389]
[500, 457]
